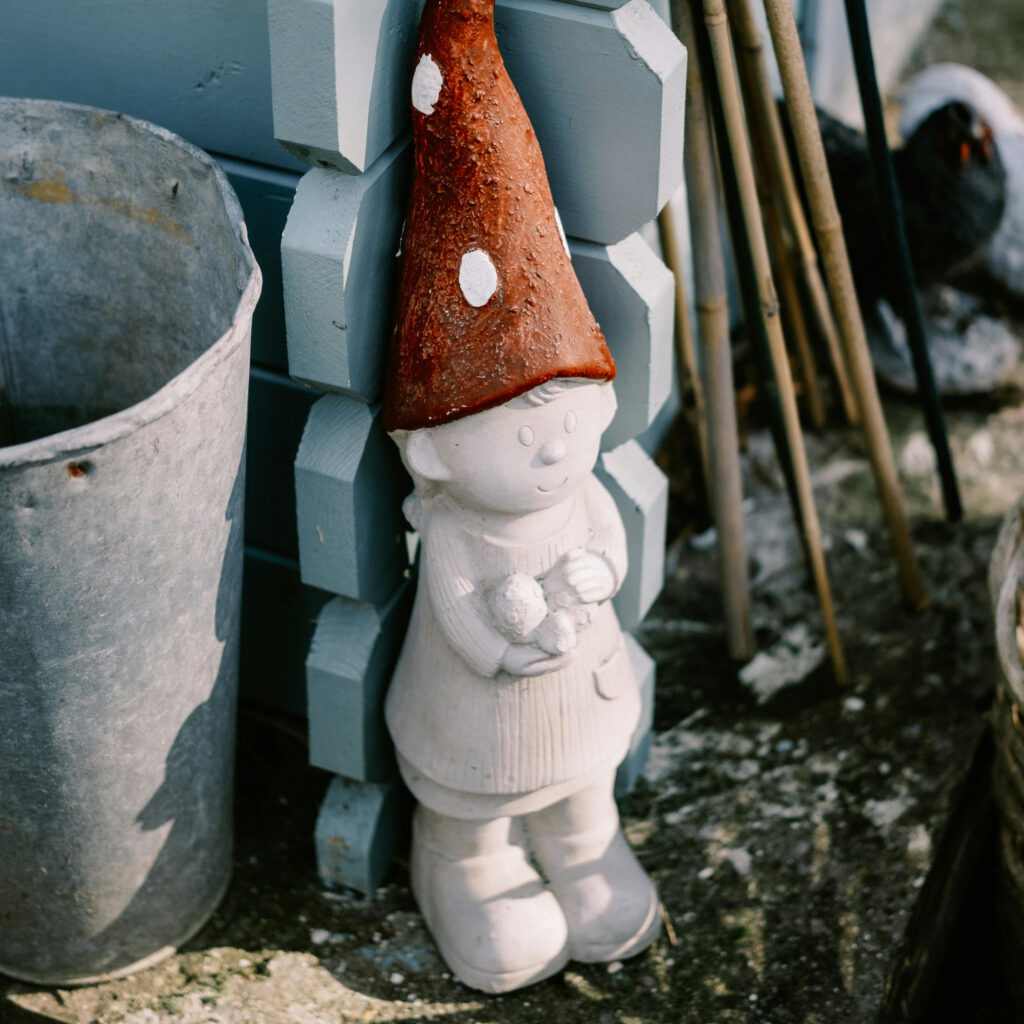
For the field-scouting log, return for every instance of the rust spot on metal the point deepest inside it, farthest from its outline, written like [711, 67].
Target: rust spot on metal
[54, 190]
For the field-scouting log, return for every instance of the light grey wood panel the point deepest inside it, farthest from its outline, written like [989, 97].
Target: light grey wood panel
[350, 484]
[361, 828]
[198, 67]
[640, 491]
[266, 195]
[604, 91]
[632, 295]
[348, 669]
[338, 260]
[633, 764]
[278, 615]
[278, 410]
[341, 71]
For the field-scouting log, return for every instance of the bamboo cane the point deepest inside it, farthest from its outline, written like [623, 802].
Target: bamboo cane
[721, 50]
[771, 214]
[716, 353]
[827, 226]
[763, 117]
[690, 385]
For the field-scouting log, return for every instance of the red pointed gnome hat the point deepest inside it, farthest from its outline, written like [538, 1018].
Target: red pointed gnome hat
[489, 305]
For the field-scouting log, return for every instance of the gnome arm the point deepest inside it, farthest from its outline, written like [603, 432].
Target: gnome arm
[457, 603]
[607, 534]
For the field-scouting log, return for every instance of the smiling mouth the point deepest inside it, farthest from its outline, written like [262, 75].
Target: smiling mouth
[548, 490]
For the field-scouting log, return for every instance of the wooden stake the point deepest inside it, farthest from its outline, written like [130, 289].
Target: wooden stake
[763, 118]
[789, 292]
[721, 50]
[690, 386]
[827, 226]
[716, 353]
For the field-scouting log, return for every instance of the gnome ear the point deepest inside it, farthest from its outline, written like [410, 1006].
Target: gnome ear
[610, 405]
[421, 455]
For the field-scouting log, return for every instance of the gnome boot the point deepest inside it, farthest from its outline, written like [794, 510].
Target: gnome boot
[610, 905]
[495, 924]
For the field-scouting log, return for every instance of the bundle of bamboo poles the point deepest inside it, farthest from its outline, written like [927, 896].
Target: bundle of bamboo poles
[744, 161]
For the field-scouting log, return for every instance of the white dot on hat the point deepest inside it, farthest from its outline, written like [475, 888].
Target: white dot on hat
[477, 277]
[426, 84]
[561, 234]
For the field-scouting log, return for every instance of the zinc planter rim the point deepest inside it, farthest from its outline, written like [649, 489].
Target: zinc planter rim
[103, 431]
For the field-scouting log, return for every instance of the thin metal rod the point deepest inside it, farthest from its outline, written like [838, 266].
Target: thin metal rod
[691, 389]
[892, 219]
[712, 305]
[725, 70]
[763, 119]
[827, 227]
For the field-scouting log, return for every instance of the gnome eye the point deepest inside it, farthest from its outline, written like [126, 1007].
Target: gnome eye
[570, 422]
[525, 436]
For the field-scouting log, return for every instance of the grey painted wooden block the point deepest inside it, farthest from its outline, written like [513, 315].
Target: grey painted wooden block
[361, 827]
[349, 485]
[278, 615]
[341, 72]
[348, 668]
[640, 491]
[632, 295]
[604, 90]
[266, 195]
[633, 764]
[200, 69]
[338, 259]
[278, 410]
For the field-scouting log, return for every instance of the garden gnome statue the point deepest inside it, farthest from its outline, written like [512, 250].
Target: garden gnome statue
[514, 698]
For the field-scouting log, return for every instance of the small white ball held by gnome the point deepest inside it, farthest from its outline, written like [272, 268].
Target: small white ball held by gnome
[521, 614]
[514, 699]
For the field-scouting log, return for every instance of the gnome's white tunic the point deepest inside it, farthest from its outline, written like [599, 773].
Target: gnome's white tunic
[461, 723]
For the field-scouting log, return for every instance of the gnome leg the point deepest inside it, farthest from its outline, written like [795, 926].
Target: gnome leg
[609, 902]
[495, 924]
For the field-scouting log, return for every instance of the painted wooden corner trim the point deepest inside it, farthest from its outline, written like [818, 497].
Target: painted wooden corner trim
[278, 614]
[603, 85]
[278, 410]
[340, 71]
[338, 263]
[360, 829]
[348, 669]
[349, 486]
[604, 91]
[631, 294]
[633, 764]
[266, 195]
[640, 491]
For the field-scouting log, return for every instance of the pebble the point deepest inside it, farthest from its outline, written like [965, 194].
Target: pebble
[319, 936]
[614, 967]
[396, 978]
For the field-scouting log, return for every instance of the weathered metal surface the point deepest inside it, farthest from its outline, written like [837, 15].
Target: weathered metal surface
[126, 295]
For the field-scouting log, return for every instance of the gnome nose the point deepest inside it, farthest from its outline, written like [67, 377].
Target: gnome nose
[552, 452]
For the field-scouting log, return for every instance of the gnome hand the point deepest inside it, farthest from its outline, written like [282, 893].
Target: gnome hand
[585, 577]
[528, 660]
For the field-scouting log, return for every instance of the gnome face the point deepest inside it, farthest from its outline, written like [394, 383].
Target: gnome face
[529, 454]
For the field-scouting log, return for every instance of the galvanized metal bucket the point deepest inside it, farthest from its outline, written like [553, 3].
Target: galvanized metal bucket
[127, 289]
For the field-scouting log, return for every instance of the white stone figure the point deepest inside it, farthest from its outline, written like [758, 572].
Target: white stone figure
[514, 699]
[511, 744]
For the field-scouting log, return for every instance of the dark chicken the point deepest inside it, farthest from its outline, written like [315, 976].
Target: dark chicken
[952, 185]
